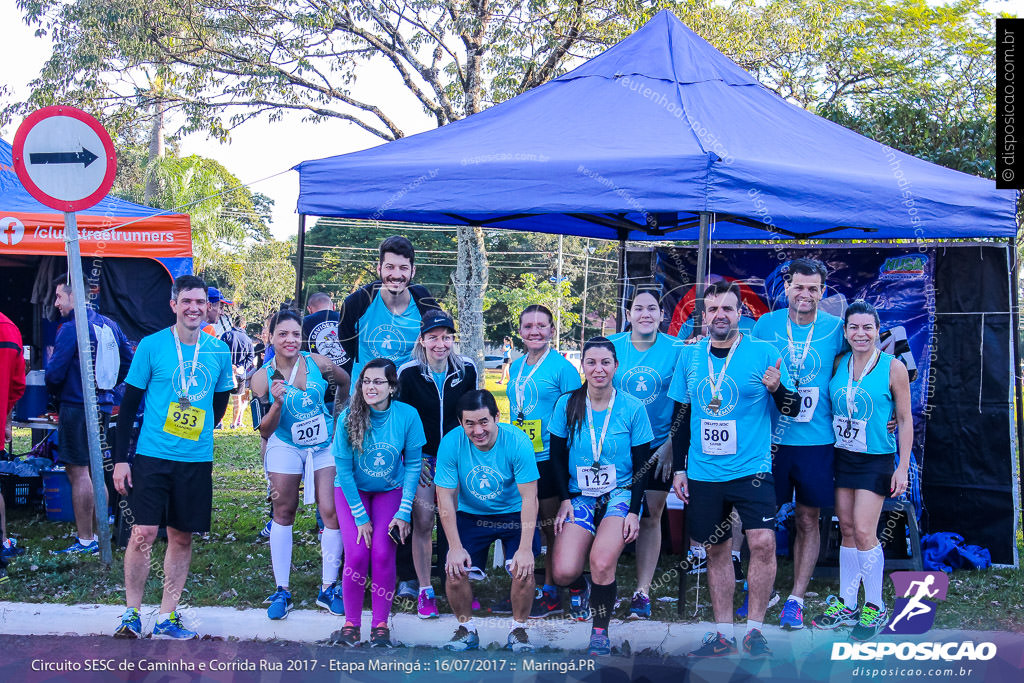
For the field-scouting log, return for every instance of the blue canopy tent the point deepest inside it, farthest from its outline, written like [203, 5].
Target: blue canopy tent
[662, 137]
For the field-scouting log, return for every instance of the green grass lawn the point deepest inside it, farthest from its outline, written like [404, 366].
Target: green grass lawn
[230, 567]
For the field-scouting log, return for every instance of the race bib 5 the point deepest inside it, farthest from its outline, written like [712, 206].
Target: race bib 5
[532, 429]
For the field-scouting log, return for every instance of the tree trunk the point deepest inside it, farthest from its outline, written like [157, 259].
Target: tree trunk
[470, 284]
[156, 151]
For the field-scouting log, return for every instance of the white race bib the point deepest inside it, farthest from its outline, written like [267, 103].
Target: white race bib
[311, 432]
[851, 435]
[808, 403]
[718, 437]
[596, 482]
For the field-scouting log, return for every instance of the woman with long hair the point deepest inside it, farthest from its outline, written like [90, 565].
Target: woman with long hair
[538, 378]
[377, 453]
[600, 443]
[647, 358]
[867, 389]
[432, 383]
[298, 429]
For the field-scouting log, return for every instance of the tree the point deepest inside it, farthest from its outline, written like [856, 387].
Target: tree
[258, 278]
[220, 63]
[533, 290]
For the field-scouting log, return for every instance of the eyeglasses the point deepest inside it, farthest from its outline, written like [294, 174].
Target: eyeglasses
[375, 382]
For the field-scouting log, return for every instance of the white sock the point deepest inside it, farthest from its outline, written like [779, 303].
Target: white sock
[517, 624]
[727, 630]
[799, 601]
[424, 589]
[751, 625]
[164, 616]
[698, 551]
[872, 564]
[86, 541]
[330, 551]
[849, 576]
[470, 626]
[281, 552]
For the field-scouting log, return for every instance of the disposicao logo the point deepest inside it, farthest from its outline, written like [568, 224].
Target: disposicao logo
[903, 267]
[917, 596]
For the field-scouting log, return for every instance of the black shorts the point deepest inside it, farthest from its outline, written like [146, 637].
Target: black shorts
[546, 485]
[479, 532]
[808, 470]
[72, 436]
[711, 504]
[653, 481]
[866, 471]
[170, 493]
[506, 361]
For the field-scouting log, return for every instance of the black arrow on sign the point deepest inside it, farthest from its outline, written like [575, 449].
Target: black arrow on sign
[85, 157]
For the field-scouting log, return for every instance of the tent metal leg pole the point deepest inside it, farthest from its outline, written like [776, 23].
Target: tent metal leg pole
[300, 261]
[703, 255]
[621, 295]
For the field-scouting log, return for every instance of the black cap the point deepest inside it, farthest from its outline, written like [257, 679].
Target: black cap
[434, 319]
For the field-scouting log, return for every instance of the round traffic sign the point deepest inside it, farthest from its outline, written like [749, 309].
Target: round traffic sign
[64, 158]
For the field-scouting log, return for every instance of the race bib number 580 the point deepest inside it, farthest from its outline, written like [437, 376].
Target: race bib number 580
[718, 437]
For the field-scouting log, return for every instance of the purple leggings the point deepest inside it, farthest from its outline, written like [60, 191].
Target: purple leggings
[382, 508]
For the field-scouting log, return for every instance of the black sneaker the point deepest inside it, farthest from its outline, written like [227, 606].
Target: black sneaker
[348, 635]
[501, 607]
[755, 645]
[545, 604]
[380, 636]
[715, 645]
[737, 568]
[872, 621]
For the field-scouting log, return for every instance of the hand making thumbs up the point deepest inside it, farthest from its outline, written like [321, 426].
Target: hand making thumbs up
[773, 376]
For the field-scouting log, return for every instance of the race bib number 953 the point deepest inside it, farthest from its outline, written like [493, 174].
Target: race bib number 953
[185, 423]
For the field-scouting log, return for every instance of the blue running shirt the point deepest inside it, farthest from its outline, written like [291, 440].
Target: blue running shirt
[811, 377]
[487, 482]
[873, 403]
[383, 334]
[156, 370]
[304, 407]
[629, 426]
[738, 433]
[391, 458]
[554, 377]
[646, 375]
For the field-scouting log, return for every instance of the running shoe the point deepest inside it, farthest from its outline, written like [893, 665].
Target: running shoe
[737, 569]
[11, 549]
[171, 628]
[715, 645]
[427, 604]
[640, 606]
[503, 606]
[600, 643]
[265, 531]
[579, 603]
[380, 636]
[463, 640]
[131, 624]
[518, 641]
[77, 548]
[347, 635]
[545, 604]
[407, 590]
[872, 621]
[741, 612]
[280, 604]
[755, 645]
[836, 615]
[792, 617]
[698, 564]
[330, 599]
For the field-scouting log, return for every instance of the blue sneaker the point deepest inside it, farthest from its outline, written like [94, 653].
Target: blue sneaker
[280, 604]
[265, 531]
[11, 549]
[172, 629]
[77, 548]
[640, 607]
[792, 618]
[600, 644]
[330, 599]
[741, 613]
[579, 603]
[463, 640]
[131, 624]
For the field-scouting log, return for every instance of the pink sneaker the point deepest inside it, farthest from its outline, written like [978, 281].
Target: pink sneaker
[427, 604]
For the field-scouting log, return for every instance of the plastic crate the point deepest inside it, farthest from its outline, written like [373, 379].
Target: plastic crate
[21, 491]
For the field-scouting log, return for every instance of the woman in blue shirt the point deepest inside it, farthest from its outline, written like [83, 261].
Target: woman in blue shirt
[298, 429]
[600, 445]
[867, 389]
[377, 453]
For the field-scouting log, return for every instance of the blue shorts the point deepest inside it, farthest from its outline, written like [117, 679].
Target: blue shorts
[588, 511]
[808, 470]
[479, 532]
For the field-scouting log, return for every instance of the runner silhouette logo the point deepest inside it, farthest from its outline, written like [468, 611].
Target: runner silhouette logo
[917, 594]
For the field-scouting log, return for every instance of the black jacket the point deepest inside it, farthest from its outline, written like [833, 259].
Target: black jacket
[416, 387]
[355, 306]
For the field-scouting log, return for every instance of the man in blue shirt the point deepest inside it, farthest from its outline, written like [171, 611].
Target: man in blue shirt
[809, 340]
[112, 354]
[185, 376]
[490, 471]
[727, 384]
[382, 319]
